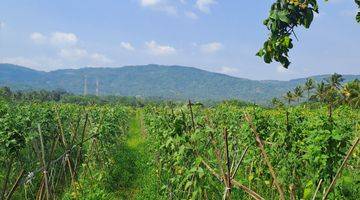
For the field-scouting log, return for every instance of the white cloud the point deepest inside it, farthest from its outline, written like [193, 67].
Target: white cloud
[38, 63]
[228, 70]
[38, 38]
[63, 39]
[159, 50]
[204, 5]
[73, 53]
[191, 15]
[159, 5]
[149, 2]
[78, 54]
[171, 10]
[2, 25]
[211, 47]
[19, 61]
[99, 59]
[183, 1]
[127, 46]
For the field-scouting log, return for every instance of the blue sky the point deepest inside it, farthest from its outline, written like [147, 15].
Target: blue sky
[216, 35]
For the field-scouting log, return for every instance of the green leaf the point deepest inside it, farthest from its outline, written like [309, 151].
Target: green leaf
[308, 18]
[267, 58]
[358, 17]
[188, 184]
[357, 2]
[260, 53]
[287, 41]
[283, 16]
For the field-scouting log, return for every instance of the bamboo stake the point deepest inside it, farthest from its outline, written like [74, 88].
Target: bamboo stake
[192, 115]
[333, 182]
[266, 158]
[240, 161]
[6, 181]
[16, 185]
[78, 156]
[44, 163]
[228, 173]
[317, 189]
[233, 182]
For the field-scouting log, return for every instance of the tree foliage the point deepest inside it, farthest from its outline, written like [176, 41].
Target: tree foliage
[284, 16]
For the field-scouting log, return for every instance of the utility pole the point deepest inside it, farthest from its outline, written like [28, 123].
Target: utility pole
[85, 85]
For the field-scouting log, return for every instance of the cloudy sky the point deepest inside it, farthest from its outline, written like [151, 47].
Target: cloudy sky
[217, 35]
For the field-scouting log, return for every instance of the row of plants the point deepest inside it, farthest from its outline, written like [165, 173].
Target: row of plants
[231, 152]
[47, 150]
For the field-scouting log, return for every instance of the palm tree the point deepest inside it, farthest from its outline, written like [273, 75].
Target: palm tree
[333, 88]
[289, 97]
[309, 85]
[276, 102]
[335, 81]
[351, 93]
[320, 93]
[298, 93]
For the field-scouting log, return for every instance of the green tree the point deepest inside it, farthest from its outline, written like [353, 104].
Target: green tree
[351, 93]
[289, 97]
[5, 93]
[320, 93]
[335, 81]
[284, 16]
[309, 85]
[276, 102]
[298, 93]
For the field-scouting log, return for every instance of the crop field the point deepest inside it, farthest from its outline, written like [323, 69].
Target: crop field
[68, 151]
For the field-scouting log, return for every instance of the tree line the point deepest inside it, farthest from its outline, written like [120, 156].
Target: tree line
[331, 91]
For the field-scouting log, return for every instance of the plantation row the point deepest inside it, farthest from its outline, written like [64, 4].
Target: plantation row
[230, 152]
[54, 151]
[67, 151]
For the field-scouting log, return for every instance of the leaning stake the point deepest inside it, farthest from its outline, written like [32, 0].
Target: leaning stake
[333, 182]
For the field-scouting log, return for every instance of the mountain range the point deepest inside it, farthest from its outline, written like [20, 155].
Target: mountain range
[170, 82]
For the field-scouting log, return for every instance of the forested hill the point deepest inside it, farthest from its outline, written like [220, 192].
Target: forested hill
[175, 82]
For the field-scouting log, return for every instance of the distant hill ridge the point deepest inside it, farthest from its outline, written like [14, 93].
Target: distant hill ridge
[174, 82]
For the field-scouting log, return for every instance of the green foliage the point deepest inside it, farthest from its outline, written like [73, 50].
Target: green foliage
[304, 146]
[284, 16]
[358, 14]
[98, 129]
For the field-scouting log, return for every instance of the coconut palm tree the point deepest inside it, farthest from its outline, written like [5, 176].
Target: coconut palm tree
[335, 81]
[309, 85]
[351, 93]
[320, 93]
[276, 102]
[298, 93]
[289, 97]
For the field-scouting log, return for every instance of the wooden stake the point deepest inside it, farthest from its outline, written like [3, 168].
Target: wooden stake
[6, 181]
[16, 185]
[228, 173]
[333, 182]
[317, 189]
[192, 115]
[44, 163]
[266, 158]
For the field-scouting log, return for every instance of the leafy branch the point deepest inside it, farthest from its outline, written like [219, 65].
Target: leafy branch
[284, 16]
